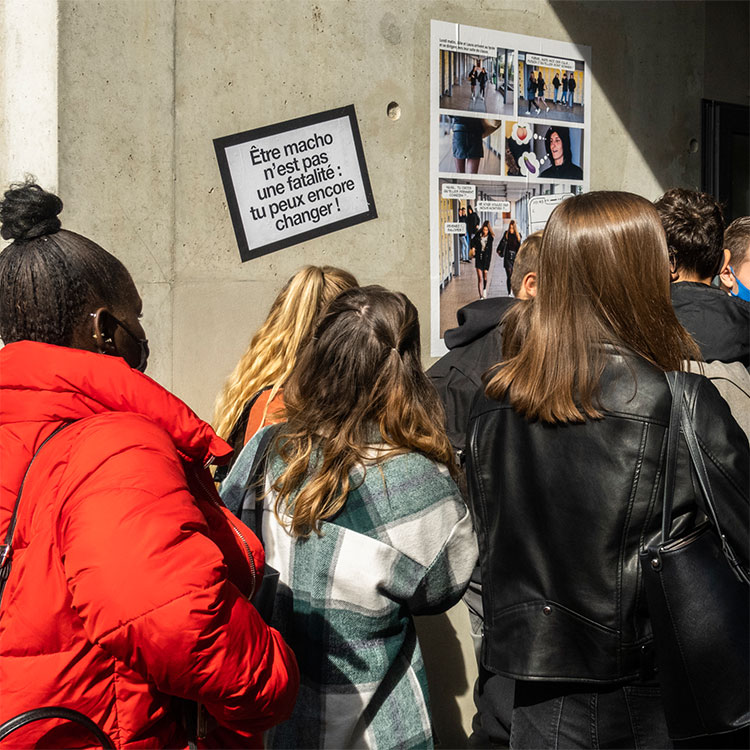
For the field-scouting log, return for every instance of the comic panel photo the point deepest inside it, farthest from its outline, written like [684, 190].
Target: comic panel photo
[472, 83]
[550, 88]
[482, 224]
[470, 145]
[543, 152]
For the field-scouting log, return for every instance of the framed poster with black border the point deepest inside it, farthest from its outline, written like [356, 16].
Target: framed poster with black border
[292, 181]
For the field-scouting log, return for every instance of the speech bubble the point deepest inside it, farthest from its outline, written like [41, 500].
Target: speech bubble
[544, 61]
[541, 206]
[529, 164]
[454, 227]
[451, 190]
[497, 207]
[522, 132]
[470, 48]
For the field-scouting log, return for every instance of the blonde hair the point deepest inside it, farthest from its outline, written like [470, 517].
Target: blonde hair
[272, 353]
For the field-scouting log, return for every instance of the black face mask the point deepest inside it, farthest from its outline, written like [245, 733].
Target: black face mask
[142, 343]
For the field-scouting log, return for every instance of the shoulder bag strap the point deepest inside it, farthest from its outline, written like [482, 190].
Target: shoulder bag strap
[676, 381]
[6, 549]
[257, 474]
[699, 465]
[54, 712]
[237, 436]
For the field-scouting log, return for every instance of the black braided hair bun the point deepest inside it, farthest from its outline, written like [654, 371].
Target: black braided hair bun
[28, 211]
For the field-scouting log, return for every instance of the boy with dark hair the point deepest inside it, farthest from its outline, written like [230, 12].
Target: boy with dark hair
[694, 225]
[720, 324]
[735, 276]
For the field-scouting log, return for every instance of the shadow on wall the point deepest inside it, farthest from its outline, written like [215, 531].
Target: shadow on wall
[648, 60]
[447, 677]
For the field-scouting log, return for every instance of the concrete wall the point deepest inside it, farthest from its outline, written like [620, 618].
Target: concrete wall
[145, 85]
[726, 26]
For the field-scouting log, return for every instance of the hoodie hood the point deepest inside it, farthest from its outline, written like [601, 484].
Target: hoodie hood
[477, 319]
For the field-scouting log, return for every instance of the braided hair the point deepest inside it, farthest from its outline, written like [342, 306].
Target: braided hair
[50, 278]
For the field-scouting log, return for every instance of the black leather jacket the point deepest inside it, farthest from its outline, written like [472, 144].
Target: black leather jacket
[561, 512]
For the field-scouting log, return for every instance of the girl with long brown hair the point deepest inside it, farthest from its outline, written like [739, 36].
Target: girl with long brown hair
[252, 395]
[363, 522]
[583, 400]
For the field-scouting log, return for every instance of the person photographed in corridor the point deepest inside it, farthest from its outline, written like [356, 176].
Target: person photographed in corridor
[482, 79]
[531, 93]
[557, 142]
[482, 244]
[473, 78]
[571, 89]
[540, 88]
[464, 238]
[509, 245]
[556, 86]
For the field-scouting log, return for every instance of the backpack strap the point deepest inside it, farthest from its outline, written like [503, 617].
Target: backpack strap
[237, 436]
[255, 481]
[6, 549]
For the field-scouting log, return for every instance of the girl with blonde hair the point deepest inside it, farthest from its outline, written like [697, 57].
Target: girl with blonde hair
[363, 522]
[251, 395]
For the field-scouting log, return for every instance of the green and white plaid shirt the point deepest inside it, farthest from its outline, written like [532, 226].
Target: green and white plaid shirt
[402, 545]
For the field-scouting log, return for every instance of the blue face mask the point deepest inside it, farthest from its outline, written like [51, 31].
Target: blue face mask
[742, 291]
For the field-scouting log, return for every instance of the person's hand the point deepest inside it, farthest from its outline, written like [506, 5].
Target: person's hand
[490, 126]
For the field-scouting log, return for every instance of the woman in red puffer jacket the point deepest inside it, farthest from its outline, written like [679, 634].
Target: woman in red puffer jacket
[130, 581]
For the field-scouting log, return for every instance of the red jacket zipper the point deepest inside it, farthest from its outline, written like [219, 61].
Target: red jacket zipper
[210, 492]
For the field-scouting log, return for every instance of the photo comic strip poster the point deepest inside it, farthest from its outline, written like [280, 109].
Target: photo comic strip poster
[509, 140]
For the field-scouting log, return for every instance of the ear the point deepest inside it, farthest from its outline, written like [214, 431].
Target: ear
[674, 274]
[727, 280]
[104, 326]
[725, 262]
[528, 285]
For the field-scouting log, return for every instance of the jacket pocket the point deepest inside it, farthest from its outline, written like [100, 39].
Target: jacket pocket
[544, 640]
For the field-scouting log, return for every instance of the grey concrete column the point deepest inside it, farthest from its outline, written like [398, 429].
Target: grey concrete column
[28, 91]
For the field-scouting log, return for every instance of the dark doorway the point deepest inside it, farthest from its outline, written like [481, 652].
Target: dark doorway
[725, 163]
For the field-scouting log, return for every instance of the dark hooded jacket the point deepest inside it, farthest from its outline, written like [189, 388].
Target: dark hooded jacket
[475, 346]
[719, 323]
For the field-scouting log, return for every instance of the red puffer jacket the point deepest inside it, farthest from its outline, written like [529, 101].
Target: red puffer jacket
[130, 580]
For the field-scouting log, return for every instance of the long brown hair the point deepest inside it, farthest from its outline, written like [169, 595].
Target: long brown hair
[272, 353]
[358, 383]
[603, 279]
